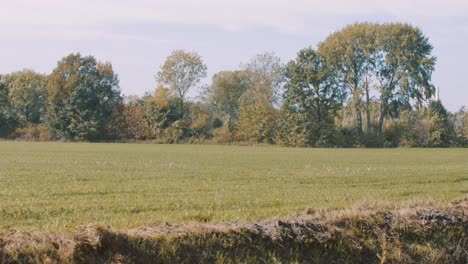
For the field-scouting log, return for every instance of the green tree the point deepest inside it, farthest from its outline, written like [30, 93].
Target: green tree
[8, 120]
[181, 71]
[84, 97]
[312, 98]
[394, 58]
[404, 66]
[441, 132]
[350, 53]
[225, 92]
[28, 95]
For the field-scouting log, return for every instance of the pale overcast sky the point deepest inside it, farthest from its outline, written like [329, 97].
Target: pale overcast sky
[137, 35]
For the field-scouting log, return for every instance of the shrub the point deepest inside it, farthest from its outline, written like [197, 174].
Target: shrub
[33, 133]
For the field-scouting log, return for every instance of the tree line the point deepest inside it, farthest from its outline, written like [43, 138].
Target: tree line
[365, 85]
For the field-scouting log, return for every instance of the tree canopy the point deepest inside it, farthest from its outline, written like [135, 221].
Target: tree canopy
[181, 71]
[394, 58]
[257, 112]
[225, 92]
[83, 96]
[7, 113]
[312, 97]
[367, 84]
[28, 95]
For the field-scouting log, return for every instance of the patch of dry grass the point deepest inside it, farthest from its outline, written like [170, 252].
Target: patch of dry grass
[419, 232]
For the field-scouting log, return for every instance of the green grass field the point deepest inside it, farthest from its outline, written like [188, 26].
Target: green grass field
[57, 186]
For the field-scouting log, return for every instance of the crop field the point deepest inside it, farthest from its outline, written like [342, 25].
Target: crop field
[59, 186]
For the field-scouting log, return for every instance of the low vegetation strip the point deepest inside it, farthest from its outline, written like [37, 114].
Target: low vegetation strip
[420, 233]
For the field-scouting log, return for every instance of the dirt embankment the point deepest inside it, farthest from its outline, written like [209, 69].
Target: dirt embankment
[420, 233]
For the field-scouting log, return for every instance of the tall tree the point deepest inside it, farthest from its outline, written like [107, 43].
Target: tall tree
[404, 66]
[84, 96]
[312, 97]
[8, 120]
[181, 71]
[350, 51]
[394, 58]
[225, 92]
[28, 95]
[265, 75]
[257, 112]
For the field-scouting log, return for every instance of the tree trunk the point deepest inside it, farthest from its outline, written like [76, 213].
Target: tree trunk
[357, 108]
[368, 117]
[359, 122]
[182, 109]
[383, 109]
[384, 97]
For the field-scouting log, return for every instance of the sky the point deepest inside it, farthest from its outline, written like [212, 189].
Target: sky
[137, 35]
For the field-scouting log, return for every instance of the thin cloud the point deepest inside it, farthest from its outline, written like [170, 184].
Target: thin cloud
[285, 16]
